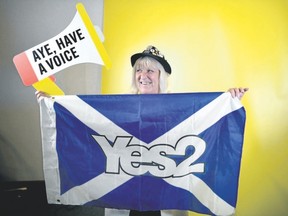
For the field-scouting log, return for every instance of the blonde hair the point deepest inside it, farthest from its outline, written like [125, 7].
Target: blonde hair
[150, 62]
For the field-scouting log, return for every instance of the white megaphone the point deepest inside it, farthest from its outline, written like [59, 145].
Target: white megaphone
[77, 43]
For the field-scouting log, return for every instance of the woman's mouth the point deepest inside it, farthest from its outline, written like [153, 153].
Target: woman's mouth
[145, 82]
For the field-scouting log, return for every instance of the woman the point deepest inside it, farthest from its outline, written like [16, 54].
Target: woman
[150, 76]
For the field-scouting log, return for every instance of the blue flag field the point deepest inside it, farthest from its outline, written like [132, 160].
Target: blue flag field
[144, 152]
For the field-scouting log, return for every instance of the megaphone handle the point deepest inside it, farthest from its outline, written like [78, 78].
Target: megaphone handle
[48, 86]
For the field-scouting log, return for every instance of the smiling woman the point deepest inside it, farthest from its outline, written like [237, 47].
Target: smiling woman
[151, 72]
[147, 77]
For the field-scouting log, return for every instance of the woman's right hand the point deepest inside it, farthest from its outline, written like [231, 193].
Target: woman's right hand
[40, 95]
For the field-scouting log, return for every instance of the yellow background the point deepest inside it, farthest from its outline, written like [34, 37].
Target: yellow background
[213, 45]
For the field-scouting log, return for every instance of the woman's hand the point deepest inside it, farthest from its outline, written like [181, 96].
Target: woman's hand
[40, 95]
[238, 92]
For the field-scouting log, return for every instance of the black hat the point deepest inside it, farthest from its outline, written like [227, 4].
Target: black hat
[154, 53]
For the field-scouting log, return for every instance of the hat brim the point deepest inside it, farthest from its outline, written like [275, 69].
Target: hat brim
[162, 61]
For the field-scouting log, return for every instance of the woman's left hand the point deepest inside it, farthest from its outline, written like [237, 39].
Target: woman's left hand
[238, 92]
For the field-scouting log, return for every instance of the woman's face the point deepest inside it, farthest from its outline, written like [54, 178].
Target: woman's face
[147, 79]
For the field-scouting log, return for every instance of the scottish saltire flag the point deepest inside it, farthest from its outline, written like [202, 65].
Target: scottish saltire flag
[145, 152]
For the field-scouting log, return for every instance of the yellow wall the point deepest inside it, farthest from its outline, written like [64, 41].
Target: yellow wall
[213, 45]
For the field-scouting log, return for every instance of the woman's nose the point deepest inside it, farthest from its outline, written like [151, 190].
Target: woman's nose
[144, 74]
